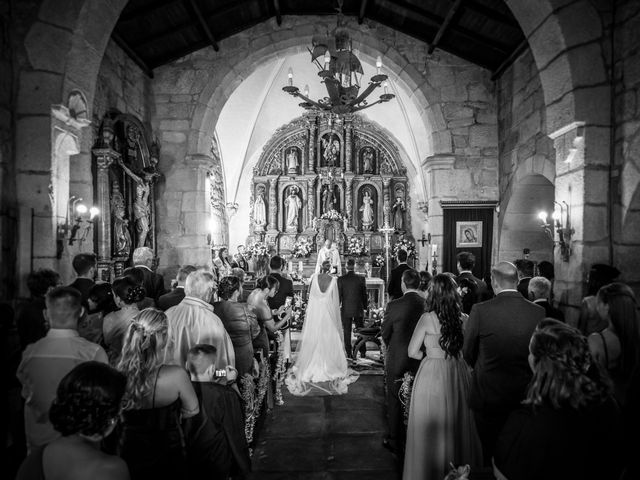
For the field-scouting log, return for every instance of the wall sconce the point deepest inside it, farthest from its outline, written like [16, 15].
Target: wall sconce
[561, 223]
[72, 232]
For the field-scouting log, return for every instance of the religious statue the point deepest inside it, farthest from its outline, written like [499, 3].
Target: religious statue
[331, 151]
[398, 214]
[141, 207]
[133, 141]
[292, 161]
[367, 210]
[121, 235]
[259, 210]
[293, 205]
[367, 161]
[328, 198]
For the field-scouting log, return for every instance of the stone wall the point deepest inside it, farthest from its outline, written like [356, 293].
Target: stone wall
[626, 170]
[527, 161]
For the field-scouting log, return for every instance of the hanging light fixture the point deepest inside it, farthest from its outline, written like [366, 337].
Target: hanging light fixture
[341, 72]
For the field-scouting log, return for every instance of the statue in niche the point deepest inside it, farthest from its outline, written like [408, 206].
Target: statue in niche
[328, 198]
[398, 210]
[121, 236]
[367, 210]
[292, 161]
[331, 150]
[259, 210]
[141, 207]
[367, 161]
[293, 204]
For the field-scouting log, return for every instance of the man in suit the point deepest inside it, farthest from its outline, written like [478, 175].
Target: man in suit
[476, 288]
[153, 283]
[353, 302]
[400, 321]
[84, 264]
[525, 272]
[175, 296]
[285, 289]
[239, 260]
[496, 346]
[540, 293]
[394, 287]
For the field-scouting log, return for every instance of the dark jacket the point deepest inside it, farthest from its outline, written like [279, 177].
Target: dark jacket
[394, 287]
[523, 287]
[284, 290]
[550, 311]
[496, 346]
[240, 262]
[353, 294]
[171, 299]
[478, 294]
[83, 285]
[153, 283]
[30, 321]
[400, 320]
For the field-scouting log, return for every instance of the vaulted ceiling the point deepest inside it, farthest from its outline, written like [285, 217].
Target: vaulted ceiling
[157, 32]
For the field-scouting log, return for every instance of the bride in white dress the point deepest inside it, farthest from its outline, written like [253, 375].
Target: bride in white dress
[320, 361]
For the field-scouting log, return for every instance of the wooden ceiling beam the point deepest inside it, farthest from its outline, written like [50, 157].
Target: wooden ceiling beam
[195, 11]
[132, 54]
[276, 7]
[491, 13]
[134, 14]
[445, 24]
[363, 10]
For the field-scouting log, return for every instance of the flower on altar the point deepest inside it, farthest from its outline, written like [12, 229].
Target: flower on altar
[332, 215]
[405, 245]
[302, 248]
[378, 261]
[259, 249]
[356, 247]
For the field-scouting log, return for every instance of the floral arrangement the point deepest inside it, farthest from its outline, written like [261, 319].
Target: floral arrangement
[259, 249]
[356, 247]
[280, 370]
[405, 245]
[404, 395]
[331, 215]
[298, 311]
[378, 261]
[302, 248]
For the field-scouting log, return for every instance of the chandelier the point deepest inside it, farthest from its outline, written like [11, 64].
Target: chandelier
[341, 72]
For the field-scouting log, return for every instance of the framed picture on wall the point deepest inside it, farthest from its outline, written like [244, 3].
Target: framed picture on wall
[468, 234]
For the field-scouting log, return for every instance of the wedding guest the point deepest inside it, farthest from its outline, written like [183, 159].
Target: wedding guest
[222, 263]
[29, 318]
[352, 289]
[400, 319]
[525, 273]
[441, 428]
[137, 275]
[47, 361]
[476, 290]
[156, 398]
[324, 254]
[216, 444]
[144, 258]
[425, 279]
[84, 264]
[546, 270]
[266, 287]
[126, 294]
[279, 300]
[84, 412]
[192, 321]
[394, 288]
[495, 346]
[101, 303]
[590, 320]
[239, 321]
[568, 425]
[240, 260]
[175, 296]
[540, 294]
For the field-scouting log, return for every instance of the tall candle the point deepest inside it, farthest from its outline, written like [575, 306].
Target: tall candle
[434, 249]
[290, 266]
[300, 268]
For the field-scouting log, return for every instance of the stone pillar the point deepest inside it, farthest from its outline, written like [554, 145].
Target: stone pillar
[386, 181]
[273, 203]
[347, 141]
[312, 144]
[348, 200]
[104, 158]
[311, 202]
[438, 170]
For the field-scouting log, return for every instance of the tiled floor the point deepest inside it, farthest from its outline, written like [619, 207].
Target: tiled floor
[328, 438]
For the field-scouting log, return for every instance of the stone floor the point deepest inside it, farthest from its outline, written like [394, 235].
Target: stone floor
[328, 438]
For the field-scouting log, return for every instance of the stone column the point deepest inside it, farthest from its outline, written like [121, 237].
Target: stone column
[348, 200]
[312, 144]
[104, 158]
[347, 141]
[311, 203]
[273, 203]
[386, 181]
[438, 177]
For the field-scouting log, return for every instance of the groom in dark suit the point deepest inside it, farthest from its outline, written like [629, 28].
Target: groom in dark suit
[394, 289]
[353, 302]
[285, 289]
[496, 346]
[400, 319]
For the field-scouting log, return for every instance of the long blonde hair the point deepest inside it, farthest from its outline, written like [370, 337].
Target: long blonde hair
[140, 358]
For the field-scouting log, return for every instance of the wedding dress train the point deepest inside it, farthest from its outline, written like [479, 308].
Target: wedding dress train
[320, 363]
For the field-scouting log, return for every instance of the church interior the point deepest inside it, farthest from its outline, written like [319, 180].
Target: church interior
[505, 128]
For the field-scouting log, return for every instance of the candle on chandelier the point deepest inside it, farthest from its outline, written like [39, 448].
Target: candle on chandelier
[300, 268]
[306, 90]
[290, 75]
[379, 64]
[385, 85]
[327, 59]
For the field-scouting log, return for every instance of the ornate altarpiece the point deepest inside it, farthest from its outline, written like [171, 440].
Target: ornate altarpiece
[319, 163]
[125, 174]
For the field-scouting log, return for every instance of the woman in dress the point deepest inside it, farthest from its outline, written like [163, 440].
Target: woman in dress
[239, 322]
[590, 320]
[101, 304]
[85, 411]
[157, 397]
[222, 264]
[266, 287]
[441, 427]
[126, 293]
[320, 360]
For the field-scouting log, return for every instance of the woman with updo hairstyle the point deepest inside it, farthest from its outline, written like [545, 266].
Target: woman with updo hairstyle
[441, 427]
[569, 426]
[425, 279]
[137, 275]
[266, 287]
[126, 294]
[101, 304]
[239, 321]
[85, 411]
[156, 398]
